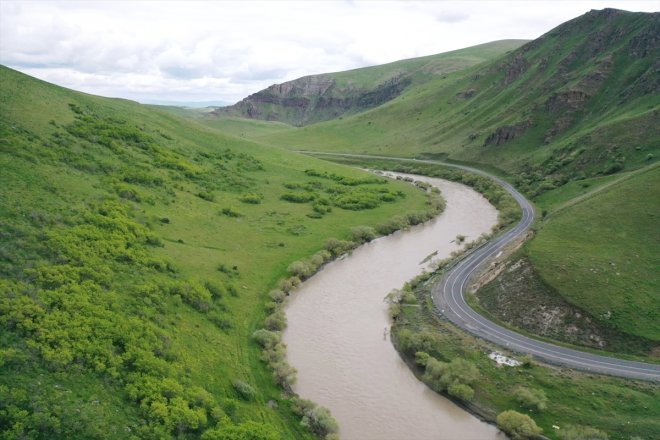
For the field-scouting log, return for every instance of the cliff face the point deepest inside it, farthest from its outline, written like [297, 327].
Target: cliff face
[314, 98]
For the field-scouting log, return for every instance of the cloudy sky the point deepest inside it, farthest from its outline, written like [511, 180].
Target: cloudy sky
[157, 51]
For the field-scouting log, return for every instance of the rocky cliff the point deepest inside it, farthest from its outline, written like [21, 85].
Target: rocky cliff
[314, 98]
[327, 96]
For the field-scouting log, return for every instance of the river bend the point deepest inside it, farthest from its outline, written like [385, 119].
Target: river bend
[338, 331]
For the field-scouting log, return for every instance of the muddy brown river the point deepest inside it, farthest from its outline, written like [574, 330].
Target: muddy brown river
[338, 332]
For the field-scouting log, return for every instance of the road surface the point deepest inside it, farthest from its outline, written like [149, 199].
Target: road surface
[449, 298]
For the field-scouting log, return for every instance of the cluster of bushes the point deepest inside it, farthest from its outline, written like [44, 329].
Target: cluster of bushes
[509, 210]
[303, 269]
[273, 353]
[345, 180]
[351, 197]
[531, 398]
[518, 426]
[316, 418]
[67, 309]
[298, 197]
[218, 170]
[455, 377]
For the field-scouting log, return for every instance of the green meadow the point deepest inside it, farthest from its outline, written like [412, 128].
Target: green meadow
[138, 250]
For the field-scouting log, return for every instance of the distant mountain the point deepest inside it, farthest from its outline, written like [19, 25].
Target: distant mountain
[187, 104]
[327, 96]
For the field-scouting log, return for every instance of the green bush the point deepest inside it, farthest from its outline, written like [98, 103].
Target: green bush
[363, 234]
[461, 391]
[442, 375]
[276, 321]
[251, 198]
[338, 247]
[277, 295]
[230, 212]
[392, 225]
[244, 389]
[298, 197]
[316, 418]
[301, 269]
[206, 195]
[531, 398]
[518, 426]
[357, 200]
[244, 431]
[266, 338]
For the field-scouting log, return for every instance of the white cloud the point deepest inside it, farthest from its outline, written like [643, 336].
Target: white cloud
[223, 50]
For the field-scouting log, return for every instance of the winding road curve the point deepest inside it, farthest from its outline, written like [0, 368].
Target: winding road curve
[448, 297]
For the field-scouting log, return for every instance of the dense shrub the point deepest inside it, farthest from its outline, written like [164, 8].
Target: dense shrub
[244, 389]
[461, 391]
[301, 269]
[531, 398]
[363, 234]
[316, 418]
[230, 212]
[392, 225]
[276, 321]
[266, 338]
[298, 197]
[251, 198]
[518, 426]
[338, 247]
[443, 375]
[244, 431]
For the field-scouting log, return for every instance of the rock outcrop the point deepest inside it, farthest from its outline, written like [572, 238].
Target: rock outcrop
[507, 133]
[314, 98]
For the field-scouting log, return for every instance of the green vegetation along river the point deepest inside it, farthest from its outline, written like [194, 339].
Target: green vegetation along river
[338, 331]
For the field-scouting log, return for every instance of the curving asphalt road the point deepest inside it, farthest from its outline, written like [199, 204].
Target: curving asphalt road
[449, 299]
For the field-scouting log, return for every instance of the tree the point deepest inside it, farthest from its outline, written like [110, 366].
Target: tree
[518, 426]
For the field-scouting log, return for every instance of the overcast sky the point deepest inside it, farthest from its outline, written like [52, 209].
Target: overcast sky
[157, 51]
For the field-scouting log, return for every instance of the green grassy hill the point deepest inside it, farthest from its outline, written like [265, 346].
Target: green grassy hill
[331, 95]
[570, 110]
[137, 252]
[602, 253]
[580, 101]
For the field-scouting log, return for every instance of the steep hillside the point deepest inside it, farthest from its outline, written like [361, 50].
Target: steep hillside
[597, 247]
[582, 100]
[321, 97]
[137, 249]
[568, 111]
[615, 279]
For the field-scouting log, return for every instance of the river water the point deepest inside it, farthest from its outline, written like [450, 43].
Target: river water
[338, 332]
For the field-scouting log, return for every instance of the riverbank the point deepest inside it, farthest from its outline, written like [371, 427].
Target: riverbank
[620, 408]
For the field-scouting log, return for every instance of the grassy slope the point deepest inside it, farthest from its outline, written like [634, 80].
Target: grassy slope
[57, 185]
[423, 68]
[617, 124]
[616, 130]
[602, 254]
[621, 408]
[360, 83]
